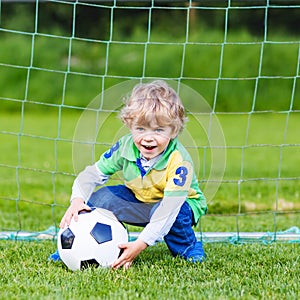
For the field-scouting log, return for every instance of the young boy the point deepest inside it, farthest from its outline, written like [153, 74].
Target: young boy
[161, 191]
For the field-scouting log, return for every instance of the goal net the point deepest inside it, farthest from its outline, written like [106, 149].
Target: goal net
[65, 67]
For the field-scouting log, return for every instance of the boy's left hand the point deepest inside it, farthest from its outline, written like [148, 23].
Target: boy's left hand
[130, 251]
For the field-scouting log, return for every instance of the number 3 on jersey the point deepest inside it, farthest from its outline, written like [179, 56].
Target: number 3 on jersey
[114, 148]
[182, 172]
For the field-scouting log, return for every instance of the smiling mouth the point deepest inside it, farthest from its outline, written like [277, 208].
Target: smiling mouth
[149, 147]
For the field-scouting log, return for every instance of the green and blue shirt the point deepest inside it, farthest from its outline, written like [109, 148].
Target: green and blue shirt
[171, 180]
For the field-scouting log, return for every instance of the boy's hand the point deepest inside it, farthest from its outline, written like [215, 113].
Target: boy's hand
[130, 251]
[75, 207]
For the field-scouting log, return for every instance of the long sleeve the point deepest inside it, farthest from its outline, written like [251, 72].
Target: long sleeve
[162, 220]
[85, 183]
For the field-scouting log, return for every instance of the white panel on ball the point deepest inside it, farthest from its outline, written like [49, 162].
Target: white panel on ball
[92, 240]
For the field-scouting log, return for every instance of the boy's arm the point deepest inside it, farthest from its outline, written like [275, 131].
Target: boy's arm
[83, 187]
[109, 163]
[162, 220]
[86, 182]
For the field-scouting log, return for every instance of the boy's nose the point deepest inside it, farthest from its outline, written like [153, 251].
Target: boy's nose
[148, 136]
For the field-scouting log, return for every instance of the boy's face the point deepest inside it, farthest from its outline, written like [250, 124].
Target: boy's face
[151, 140]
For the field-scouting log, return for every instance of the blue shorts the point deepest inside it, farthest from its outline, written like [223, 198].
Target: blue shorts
[181, 239]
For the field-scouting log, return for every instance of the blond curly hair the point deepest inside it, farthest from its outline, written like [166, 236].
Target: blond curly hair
[155, 101]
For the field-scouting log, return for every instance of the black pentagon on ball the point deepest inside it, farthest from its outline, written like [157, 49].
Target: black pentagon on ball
[88, 263]
[67, 239]
[101, 233]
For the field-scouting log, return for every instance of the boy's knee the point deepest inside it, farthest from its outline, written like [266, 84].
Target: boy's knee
[100, 198]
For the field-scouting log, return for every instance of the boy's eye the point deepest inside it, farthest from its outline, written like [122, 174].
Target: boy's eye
[139, 128]
[159, 130]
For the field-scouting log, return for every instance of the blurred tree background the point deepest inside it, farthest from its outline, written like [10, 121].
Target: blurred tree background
[94, 21]
[228, 46]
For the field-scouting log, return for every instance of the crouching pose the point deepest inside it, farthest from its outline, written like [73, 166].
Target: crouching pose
[160, 190]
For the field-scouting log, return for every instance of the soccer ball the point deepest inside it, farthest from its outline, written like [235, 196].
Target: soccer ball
[92, 240]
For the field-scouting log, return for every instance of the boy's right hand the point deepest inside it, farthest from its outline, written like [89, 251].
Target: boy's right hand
[75, 207]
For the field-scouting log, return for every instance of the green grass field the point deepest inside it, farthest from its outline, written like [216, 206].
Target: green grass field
[252, 271]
